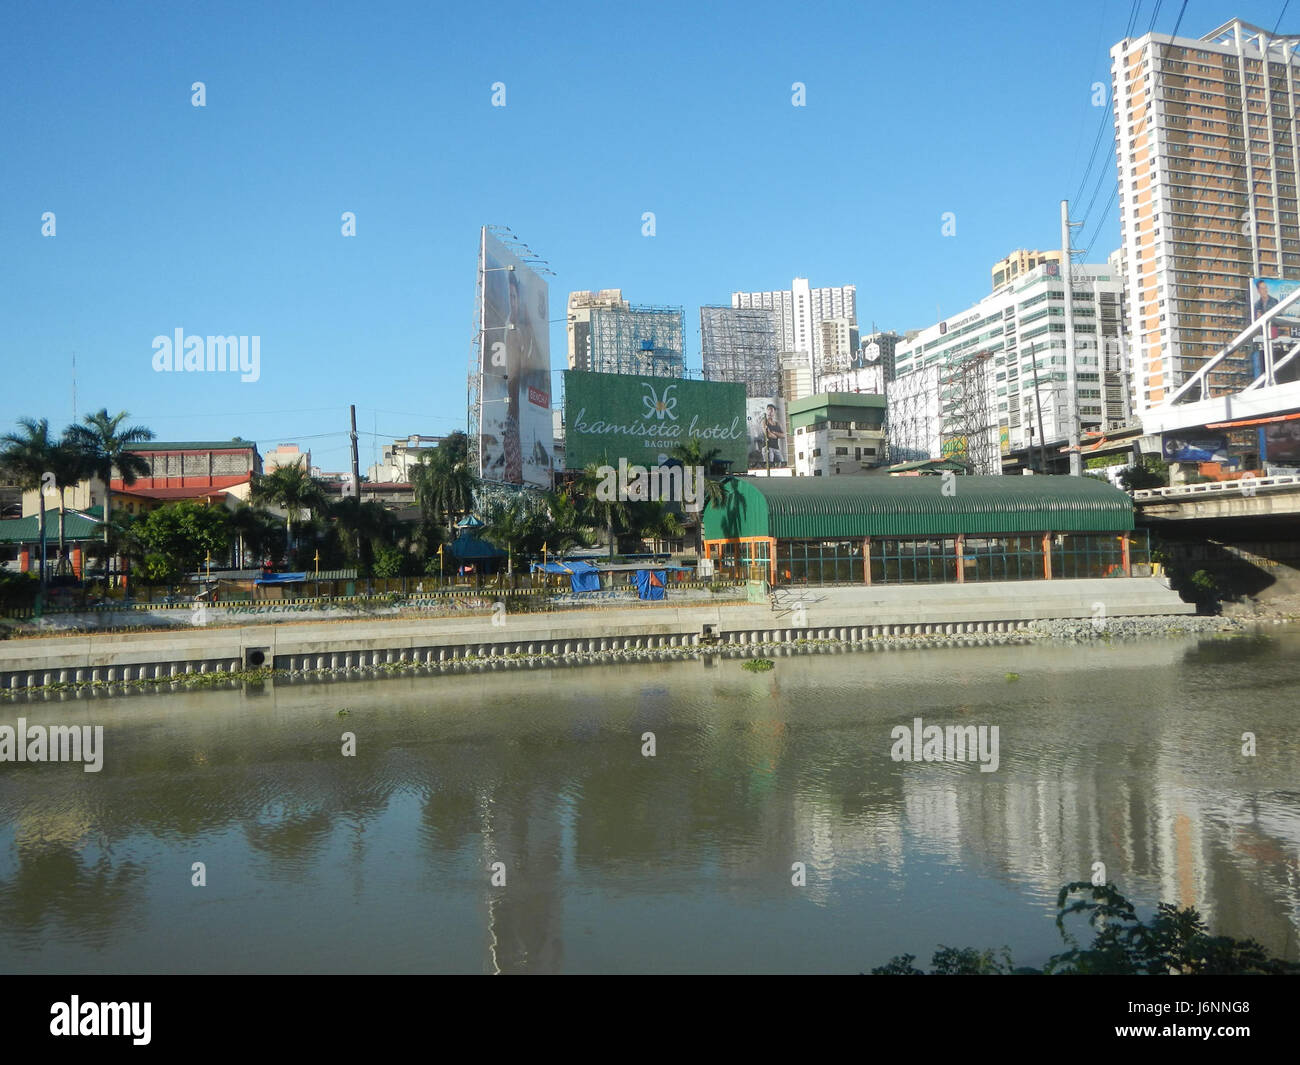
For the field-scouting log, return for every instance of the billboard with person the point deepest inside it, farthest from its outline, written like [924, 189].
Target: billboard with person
[1268, 292]
[516, 435]
[766, 424]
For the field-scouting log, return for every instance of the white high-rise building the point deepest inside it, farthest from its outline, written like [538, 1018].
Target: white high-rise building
[1003, 371]
[800, 311]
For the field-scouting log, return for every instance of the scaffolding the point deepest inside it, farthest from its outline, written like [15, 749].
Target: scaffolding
[913, 419]
[645, 341]
[969, 432]
[739, 344]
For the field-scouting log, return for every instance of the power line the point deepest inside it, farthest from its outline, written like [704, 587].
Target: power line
[1279, 18]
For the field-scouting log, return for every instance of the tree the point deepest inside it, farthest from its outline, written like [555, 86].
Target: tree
[608, 514]
[443, 482]
[257, 535]
[1173, 942]
[105, 446]
[363, 527]
[691, 454]
[293, 490]
[68, 465]
[1151, 472]
[655, 521]
[28, 457]
[178, 537]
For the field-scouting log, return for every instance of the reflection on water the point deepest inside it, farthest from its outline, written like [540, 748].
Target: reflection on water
[1129, 755]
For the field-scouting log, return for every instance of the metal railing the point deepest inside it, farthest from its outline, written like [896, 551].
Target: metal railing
[1247, 486]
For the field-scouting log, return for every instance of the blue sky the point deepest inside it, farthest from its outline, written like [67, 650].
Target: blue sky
[226, 219]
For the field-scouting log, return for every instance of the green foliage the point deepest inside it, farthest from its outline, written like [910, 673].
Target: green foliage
[1173, 942]
[759, 665]
[1153, 472]
[177, 538]
[389, 562]
[443, 481]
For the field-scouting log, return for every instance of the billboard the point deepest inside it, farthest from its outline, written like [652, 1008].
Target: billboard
[516, 436]
[1282, 442]
[608, 416]
[1180, 447]
[766, 426]
[1267, 292]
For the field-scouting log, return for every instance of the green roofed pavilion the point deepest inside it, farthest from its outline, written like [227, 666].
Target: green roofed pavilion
[1017, 526]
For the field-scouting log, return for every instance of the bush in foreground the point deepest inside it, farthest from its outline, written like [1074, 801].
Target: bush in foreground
[1173, 942]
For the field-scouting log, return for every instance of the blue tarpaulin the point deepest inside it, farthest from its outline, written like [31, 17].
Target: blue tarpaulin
[650, 583]
[281, 578]
[583, 576]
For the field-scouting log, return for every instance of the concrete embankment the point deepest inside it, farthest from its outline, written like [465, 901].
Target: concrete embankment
[842, 615]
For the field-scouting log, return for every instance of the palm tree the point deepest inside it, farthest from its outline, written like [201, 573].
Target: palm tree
[292, 489]
[566, 526]
[691, 454]
[363, 525]
[69, 465]
[513, 525]
[608, 513]
[443, 482]
[655, 521]
[106, 447]
[29, 458]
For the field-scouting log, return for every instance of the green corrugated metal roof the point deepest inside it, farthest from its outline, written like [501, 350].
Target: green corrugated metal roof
[191, 445]
[26, 530]
[816, 508]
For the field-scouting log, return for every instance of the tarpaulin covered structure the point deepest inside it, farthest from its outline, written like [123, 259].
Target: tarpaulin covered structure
[583, 576]
[281, 578]
[650, 583]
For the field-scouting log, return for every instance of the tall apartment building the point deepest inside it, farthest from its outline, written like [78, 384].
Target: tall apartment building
[878, 349]
[740, 344]
[839, 344]
[1002, 366]
[1020, 262]
[1208, 157]
[800, 310]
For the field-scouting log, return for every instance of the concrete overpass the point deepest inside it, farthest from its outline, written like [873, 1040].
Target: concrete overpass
[1251, 498]
[1274, 391]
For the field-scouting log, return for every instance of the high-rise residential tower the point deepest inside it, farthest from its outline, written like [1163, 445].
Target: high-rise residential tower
[1208, 156]
[800, 311]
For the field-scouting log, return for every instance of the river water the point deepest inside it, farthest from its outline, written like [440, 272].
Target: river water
[684, 861]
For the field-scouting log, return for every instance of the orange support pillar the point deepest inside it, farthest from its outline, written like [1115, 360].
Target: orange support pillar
[866, 561]
[24, 560]
[961, 561]
[1128, 555]
[1047, 556]
[76, 562]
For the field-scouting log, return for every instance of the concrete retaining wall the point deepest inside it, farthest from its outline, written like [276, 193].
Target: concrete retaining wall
[850, 615]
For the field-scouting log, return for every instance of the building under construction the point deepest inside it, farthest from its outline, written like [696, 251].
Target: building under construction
[739, 344]
[969, 432]
[640, 340]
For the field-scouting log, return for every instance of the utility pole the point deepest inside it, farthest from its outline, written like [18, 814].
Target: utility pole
[356, 480]
[1071, 370]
